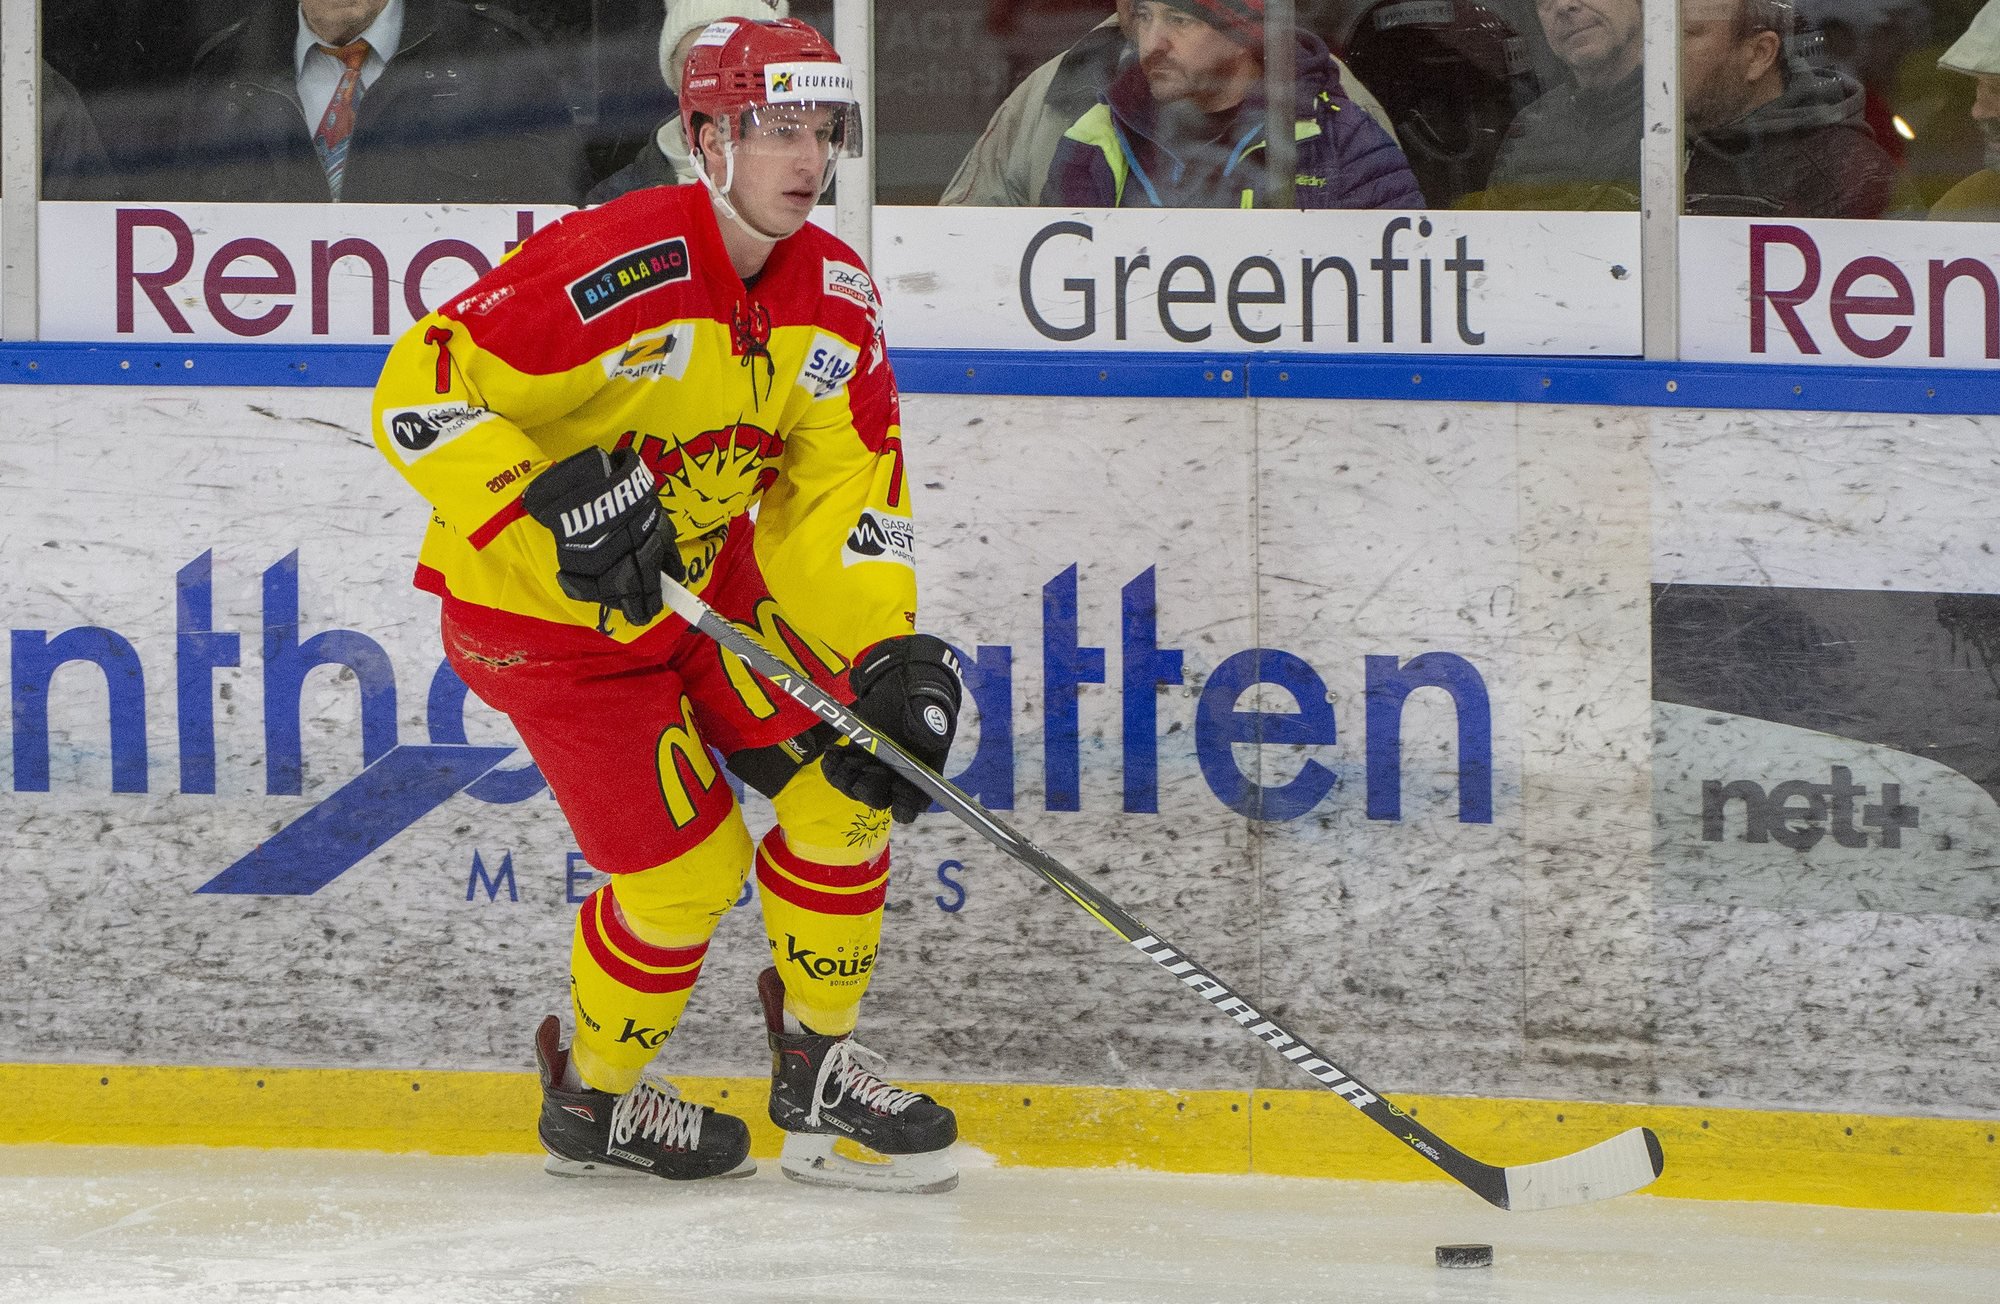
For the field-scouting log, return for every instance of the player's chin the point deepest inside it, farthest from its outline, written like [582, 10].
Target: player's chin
[795, 206]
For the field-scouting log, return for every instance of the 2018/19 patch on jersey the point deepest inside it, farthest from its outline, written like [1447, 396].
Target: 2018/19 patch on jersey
[877, 536]
[829, 365]
[418, 431]
[628, 275]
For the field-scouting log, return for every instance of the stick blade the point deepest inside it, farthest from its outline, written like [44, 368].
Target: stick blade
[1619, 1166]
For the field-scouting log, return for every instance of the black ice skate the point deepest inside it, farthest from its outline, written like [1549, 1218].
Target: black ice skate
[821, 1092]
[647, 1132]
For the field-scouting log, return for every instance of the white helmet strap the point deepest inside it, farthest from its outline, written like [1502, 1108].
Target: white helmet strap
[720, 193]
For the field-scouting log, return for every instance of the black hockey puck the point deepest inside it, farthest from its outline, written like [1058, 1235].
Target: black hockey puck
[1465, 1256]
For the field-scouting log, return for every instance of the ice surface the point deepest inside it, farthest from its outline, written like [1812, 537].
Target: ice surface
[222, 1226]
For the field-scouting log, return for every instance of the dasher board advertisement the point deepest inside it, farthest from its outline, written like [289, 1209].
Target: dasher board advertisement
[1186, 280]
[1839, 293]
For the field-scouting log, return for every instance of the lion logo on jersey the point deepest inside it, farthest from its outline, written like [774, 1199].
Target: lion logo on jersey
[711, 478]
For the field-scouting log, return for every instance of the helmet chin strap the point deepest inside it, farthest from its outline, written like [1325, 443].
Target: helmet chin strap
[720, 194]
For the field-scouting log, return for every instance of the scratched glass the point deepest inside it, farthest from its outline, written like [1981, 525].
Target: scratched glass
[355, 101]
[1165, 102]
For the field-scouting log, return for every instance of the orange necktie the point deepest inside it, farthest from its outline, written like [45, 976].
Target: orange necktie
[337, 124]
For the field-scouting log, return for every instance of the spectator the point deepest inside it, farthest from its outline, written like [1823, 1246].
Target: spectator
[378, 101]
[1010, 163]
[1453, 76]
[1183, 124]
[1577, 147]
[1768, 134]
[1869, 40]
[665, 160]
[73, 161]
[1977, 55]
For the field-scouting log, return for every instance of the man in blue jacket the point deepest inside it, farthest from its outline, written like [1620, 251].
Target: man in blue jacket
[1183, 123]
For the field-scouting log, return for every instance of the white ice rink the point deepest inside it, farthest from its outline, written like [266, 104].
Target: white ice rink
[223, 1226]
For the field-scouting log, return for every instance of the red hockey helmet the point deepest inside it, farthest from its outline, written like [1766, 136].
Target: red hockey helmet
[745, 76]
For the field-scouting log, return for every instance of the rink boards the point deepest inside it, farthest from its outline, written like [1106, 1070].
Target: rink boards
[1554, 753]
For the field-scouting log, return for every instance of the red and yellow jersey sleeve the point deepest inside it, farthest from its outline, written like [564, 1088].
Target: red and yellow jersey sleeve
[835, 532]
[485, 393]
[626, 326]
[442, 422]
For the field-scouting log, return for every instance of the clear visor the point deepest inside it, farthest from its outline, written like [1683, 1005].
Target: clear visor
[817, 135]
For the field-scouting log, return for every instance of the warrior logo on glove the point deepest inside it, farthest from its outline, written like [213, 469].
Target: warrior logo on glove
[611, 540]
[606, 506]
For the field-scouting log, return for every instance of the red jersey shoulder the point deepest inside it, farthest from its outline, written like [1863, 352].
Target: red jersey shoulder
[829, 285]
[590, 281]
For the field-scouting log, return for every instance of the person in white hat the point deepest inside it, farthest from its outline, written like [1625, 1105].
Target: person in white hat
[665, 160]
[1977, 55]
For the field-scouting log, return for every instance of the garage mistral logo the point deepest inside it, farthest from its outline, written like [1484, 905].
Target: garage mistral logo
[402, 782]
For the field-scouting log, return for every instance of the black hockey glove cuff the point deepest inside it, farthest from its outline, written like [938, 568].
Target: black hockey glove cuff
[612, 543]
[908, 688]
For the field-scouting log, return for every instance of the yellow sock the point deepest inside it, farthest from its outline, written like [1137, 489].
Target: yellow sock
[638, 949]
[824, 923]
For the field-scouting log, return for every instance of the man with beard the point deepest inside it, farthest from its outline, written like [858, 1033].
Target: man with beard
[1183, 124]
[1009, 164]
[1769, 135]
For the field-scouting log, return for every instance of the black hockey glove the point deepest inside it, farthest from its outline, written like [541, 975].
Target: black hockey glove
[611, 537]
[908, 688]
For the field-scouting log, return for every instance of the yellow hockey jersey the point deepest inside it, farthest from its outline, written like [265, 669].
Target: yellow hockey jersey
[626, 325]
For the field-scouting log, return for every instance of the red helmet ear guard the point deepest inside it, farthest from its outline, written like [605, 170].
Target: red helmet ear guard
[737, 65]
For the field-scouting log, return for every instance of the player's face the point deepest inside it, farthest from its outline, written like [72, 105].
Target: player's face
[782, 158]
[1599, 40]
[1183, 57]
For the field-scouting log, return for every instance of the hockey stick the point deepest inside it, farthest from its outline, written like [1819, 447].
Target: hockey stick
[1622, 1164]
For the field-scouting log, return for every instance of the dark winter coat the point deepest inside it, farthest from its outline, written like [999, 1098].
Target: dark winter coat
[469, 111]
[651, 167]
[1344, 158]
[1808, 153]
[1574, 149]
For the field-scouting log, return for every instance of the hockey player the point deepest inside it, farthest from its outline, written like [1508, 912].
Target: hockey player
[606, 405]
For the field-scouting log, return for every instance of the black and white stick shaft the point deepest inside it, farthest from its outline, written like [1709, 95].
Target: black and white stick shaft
[1622, 1164]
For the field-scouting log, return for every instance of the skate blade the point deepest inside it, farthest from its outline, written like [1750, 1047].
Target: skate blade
[557, 1166]
[838, 1162]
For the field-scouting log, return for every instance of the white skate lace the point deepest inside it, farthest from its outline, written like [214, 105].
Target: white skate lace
[850, 1077]
[655, 1111]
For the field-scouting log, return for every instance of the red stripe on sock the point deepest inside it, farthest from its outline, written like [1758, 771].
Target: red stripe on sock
[820, 875]
[820, 903]
[646, 953]
[621, 970]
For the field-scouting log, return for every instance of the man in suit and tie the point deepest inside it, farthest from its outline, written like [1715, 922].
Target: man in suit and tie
[377, 101]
